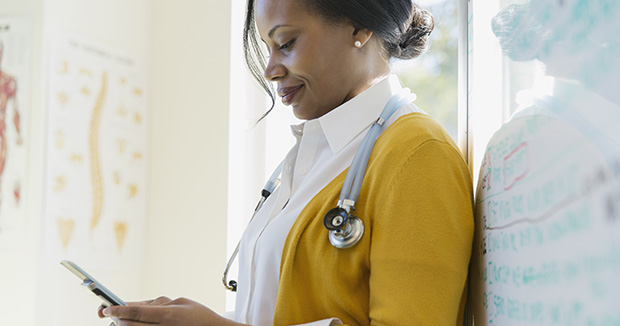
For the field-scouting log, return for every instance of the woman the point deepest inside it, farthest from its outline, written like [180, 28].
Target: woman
[330, 60]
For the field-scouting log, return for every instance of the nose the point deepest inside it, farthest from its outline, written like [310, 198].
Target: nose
[275, 69]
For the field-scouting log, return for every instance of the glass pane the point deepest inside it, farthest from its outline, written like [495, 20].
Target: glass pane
[433, 75]
[546, 249]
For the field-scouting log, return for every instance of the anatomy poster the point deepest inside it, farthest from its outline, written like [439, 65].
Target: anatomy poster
[96, 154]
[15, 41]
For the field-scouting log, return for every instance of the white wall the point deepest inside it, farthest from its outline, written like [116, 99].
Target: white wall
[19, 269]
[185, 45]
[190, 50]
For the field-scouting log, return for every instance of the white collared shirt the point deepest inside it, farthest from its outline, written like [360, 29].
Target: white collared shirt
[325, 147]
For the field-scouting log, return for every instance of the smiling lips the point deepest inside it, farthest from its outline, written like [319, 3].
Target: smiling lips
[288, 94]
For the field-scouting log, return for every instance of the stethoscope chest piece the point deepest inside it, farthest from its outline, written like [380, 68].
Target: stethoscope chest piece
[349, 236]
[345, 230]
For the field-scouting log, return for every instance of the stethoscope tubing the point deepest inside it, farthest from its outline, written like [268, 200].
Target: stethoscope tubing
[272, 183]
[270, 186]
[353, 181]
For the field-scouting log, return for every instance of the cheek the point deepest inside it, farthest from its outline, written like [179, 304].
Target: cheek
[322, 66]
[335, 75]
[320, 57]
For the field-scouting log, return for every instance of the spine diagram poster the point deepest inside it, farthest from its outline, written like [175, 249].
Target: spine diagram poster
[15, 41]
[96, 148]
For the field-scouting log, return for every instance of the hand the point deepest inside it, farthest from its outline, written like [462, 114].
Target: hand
[165, 312]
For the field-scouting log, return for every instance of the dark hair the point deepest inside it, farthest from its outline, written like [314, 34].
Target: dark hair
[403, 27]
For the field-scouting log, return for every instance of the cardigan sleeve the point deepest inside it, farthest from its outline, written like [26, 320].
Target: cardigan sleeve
[421, 240]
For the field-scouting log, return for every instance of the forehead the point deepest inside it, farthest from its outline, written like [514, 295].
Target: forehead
[270, 13]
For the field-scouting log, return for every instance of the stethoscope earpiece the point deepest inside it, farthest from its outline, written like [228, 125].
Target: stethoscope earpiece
[232, 285]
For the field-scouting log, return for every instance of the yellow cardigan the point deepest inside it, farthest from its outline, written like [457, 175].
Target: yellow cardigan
[410, 267]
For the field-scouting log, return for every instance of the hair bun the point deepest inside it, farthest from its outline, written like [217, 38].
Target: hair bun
[414, 40]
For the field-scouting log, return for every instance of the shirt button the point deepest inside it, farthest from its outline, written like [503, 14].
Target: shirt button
[303, 171]
[289, 168]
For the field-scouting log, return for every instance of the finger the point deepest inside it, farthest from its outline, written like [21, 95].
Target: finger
[101, 308]
[177, 302]
[160, 301]
[100, 311]
[140, 303]
[156, 302]
[146, 314]
[118, 322]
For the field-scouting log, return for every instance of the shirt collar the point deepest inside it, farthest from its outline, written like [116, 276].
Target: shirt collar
[342, 124]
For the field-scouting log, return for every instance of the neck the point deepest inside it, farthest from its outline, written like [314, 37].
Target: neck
[376, 69]
[368, 81]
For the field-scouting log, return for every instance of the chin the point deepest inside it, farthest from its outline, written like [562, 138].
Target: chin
[300, 113]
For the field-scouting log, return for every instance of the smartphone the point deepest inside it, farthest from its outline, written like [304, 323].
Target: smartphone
[107, 297]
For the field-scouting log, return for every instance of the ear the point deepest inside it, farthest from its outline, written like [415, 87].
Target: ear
[361, 34]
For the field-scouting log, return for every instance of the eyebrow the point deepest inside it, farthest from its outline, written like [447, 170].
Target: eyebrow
[273, 30]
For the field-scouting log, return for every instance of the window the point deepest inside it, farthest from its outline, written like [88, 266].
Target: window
[433, 76]
[495, 81]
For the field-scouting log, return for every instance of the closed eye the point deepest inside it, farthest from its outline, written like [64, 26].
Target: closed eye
[287, 45]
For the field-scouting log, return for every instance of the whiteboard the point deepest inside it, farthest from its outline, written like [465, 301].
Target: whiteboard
[547, 242]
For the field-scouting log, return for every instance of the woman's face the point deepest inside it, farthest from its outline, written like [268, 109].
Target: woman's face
[313, 62]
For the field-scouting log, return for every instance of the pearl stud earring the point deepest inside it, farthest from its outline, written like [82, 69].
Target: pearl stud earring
[358, 44]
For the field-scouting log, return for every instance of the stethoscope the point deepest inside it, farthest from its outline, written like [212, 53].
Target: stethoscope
[345, 229]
